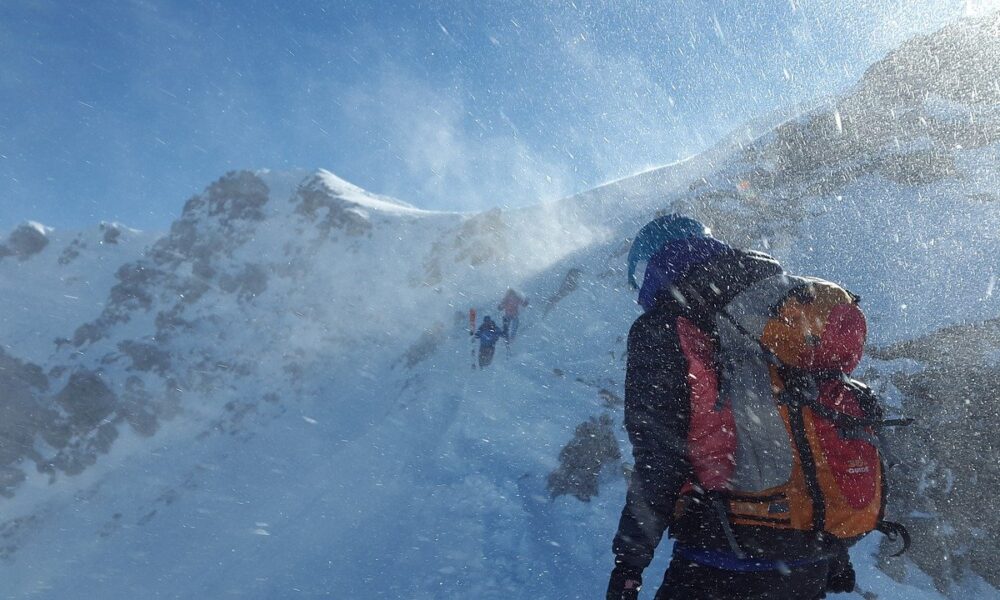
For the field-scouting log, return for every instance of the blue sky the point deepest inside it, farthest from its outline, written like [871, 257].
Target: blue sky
[123, 110]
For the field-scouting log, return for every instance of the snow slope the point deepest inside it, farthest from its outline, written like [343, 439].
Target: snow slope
[275, 399]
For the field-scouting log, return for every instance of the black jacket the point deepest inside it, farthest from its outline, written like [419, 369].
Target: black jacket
[657, 413]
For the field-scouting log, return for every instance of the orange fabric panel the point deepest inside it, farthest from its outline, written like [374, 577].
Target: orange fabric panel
[842, 519]
[795, 335]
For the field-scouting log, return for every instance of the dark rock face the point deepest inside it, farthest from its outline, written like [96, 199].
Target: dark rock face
[137, 408]
[959, 62]
[944, 490]
[569, 285]
[133, 287]
[146, 357]
[87, 333]
[110, 233]
[87, 400]
[215, 221]
[71, 252]
[135, 290]
[79, 423]
[906, 121]
[330, 211]
[141, 410]
[211, 227]
[140, 380]
[137, 381]
[82, 451]
[24, 242]
[248, 283]
[23, 413]
[239, 195]
[582, 459]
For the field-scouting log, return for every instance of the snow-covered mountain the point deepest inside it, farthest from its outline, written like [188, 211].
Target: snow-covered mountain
[274, 399]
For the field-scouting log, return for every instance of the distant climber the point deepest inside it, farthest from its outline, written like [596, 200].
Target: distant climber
[511, 306]
[752, 444]
[488, 335]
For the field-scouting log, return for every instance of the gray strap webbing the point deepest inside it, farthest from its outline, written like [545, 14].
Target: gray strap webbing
[764, 454]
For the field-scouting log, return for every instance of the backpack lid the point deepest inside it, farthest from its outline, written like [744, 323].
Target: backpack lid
[805, 322]
[818, 327]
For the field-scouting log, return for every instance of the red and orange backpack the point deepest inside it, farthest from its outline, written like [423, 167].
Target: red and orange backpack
[780, 434]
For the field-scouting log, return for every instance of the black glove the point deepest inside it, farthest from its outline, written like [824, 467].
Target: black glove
[625, 583]
[843, 580]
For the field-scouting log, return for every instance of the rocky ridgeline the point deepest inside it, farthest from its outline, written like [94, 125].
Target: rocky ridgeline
[908, 116]
[172, 317]
[80, 418]
[908, 120]
[110, 235]
[105, 376]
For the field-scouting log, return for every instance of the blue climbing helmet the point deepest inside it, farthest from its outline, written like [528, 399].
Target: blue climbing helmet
[658, 232]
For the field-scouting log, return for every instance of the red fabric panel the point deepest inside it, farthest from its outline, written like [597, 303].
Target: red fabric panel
[853, 463]
[843, 340]
[712, 433]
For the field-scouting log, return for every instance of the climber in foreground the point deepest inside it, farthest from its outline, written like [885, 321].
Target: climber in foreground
[488, 334]
[751, 443]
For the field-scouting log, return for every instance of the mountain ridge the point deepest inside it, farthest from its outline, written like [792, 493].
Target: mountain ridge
[288, 366]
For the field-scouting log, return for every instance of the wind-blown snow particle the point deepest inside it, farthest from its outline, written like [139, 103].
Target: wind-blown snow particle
[717, 27]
